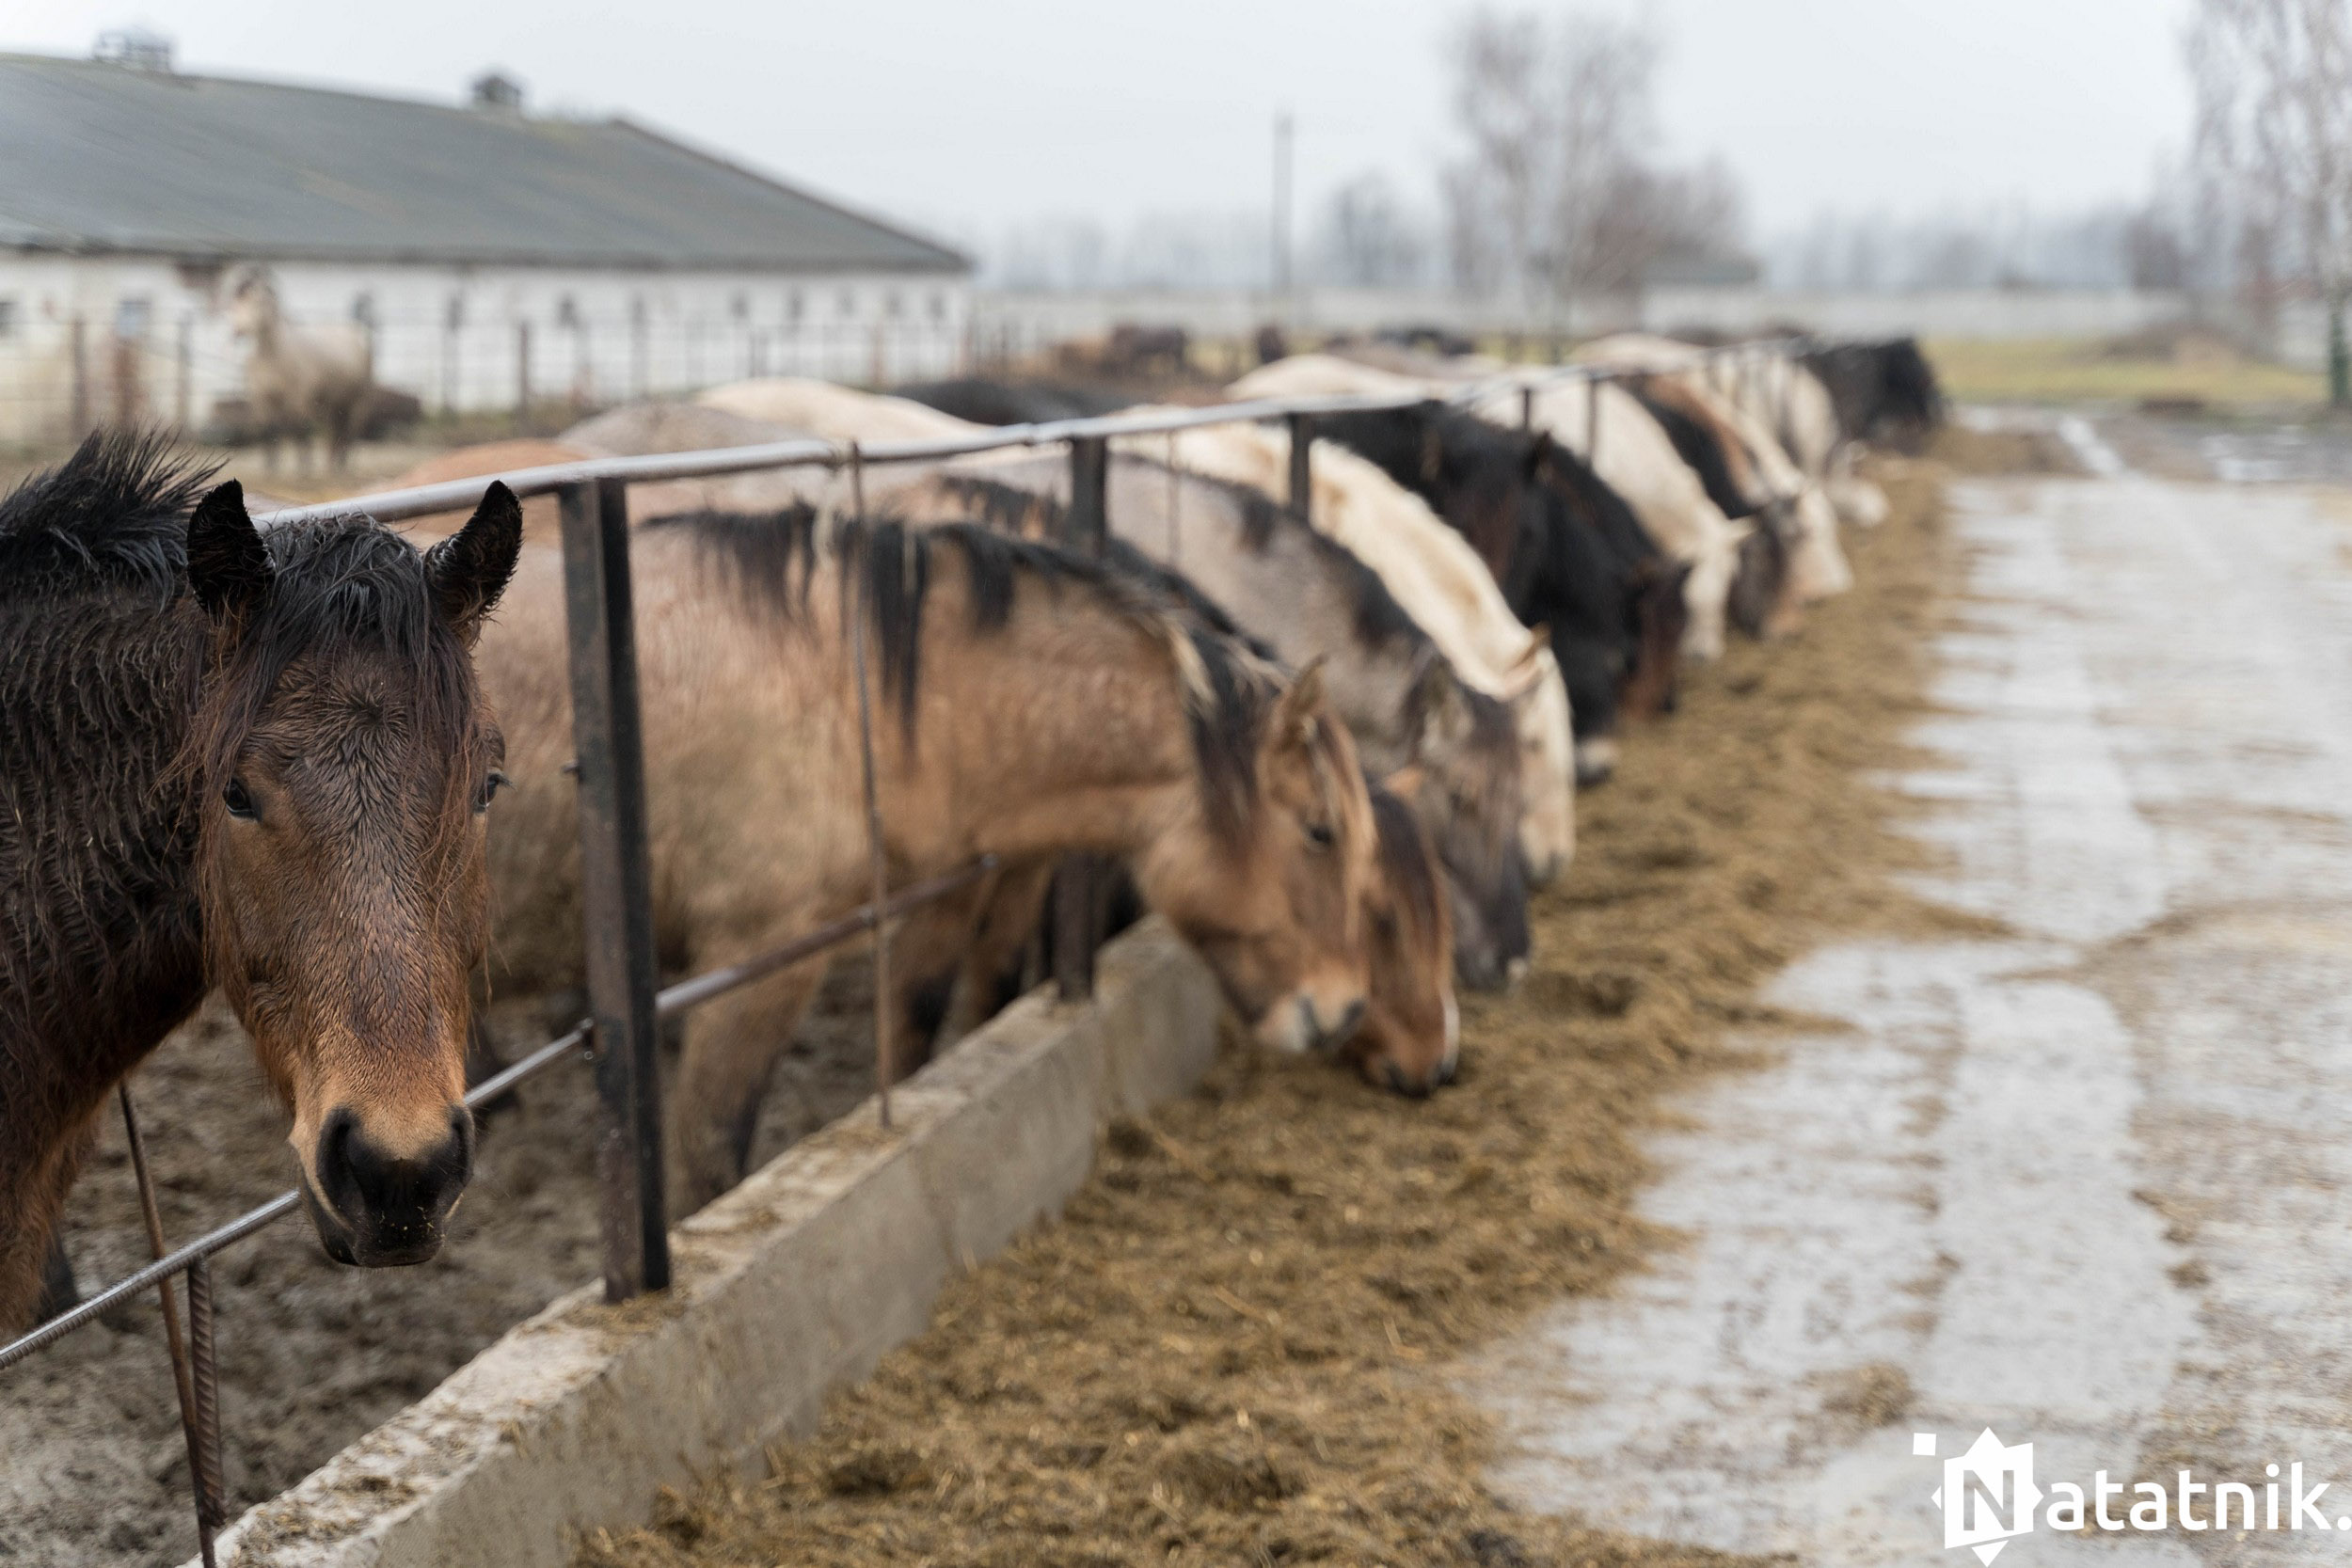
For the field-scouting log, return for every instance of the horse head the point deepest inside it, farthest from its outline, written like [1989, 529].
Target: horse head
[1271, 888]
[1410, 1040]
[341, 764]
[253, 311]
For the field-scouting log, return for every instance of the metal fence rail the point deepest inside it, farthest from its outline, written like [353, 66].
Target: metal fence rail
[618, 1037]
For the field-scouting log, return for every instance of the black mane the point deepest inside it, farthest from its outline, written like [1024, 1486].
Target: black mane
[894, 565]
[1700, 446]
[113, 515]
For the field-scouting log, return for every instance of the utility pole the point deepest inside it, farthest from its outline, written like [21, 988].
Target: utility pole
[1281, 236]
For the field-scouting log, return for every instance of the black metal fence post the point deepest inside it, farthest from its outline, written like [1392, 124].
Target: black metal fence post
[1080, 881]
[617, 884]
[1302, 475]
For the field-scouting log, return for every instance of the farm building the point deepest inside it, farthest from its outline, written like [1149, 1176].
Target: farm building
[486, 258]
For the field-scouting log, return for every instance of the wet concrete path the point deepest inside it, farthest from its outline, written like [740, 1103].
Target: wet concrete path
[2086, 1185]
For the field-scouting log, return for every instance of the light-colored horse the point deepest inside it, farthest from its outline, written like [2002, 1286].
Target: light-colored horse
[1443, 585]
[1780, 391]
[834, 413]
[1817, 561]
[305, 381]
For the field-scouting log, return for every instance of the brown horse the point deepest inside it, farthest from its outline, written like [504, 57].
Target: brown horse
[252, 761]
[1025, 703]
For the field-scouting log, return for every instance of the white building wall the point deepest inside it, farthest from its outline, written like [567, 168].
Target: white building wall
[155, 341]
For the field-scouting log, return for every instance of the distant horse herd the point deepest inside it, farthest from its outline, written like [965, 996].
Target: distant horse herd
[322, 767]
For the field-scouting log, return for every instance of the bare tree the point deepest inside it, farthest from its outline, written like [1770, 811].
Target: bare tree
[1558, 191]
[2274, 144]
[1368, 238]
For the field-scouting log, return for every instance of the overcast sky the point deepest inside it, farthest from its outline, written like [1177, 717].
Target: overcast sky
[968, 115]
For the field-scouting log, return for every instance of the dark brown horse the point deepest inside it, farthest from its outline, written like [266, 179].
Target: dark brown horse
[251, 761]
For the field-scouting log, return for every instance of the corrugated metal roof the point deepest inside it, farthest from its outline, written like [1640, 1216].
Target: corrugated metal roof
[101, 157]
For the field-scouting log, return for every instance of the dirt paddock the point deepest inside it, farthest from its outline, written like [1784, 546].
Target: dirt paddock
[314, 1354]
[1236, 1348]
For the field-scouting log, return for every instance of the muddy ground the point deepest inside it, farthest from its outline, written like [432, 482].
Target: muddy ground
[93, 1470]
[1240, 1343]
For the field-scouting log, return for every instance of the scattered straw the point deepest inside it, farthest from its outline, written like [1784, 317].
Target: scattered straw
[1233, 1347]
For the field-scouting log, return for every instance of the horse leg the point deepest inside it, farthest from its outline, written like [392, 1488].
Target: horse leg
[992, 972]
[59, 1292]
[29, 1250]
[731, 1048]
[928, 946]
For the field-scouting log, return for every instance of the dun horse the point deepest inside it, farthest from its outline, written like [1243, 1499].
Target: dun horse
[253, 762]
[1024, 702]
[1308, 597]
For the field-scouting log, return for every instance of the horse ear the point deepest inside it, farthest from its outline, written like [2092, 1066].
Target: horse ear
[228, 564]
[1435, 709]
[1294, 714]
[469, 570]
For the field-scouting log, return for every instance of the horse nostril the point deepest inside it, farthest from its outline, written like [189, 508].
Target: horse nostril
[384, 1192]
[334, 1160]
[1447, 1069]
[1348, 1020]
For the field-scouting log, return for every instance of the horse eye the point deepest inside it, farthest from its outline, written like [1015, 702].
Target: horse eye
[1321, 835]
[494, 781]
[240, 801]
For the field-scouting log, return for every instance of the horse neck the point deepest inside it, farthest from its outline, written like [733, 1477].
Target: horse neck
[1289, 592]
[99, 951]
[1067, 729]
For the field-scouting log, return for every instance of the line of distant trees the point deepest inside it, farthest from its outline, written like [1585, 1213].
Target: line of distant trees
[1558, 189]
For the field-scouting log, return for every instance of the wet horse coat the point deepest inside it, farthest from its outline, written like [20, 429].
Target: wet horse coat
[256, 762]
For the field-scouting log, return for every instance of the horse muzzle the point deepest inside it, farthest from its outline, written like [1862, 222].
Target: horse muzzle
[376, 1211]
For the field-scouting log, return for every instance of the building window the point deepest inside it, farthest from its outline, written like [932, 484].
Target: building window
[8, 318]
[793, 307]
[849, 303]
[454, 314]
[939, 306]
[363, 309]
[131, 316]
[740, 306]
[893, 305]
[566, 311]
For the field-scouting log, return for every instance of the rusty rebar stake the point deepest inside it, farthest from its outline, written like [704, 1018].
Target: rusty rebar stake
[184, 1377]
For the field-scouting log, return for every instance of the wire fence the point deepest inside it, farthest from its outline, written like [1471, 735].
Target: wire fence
[64, 375]
[618, 1036]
